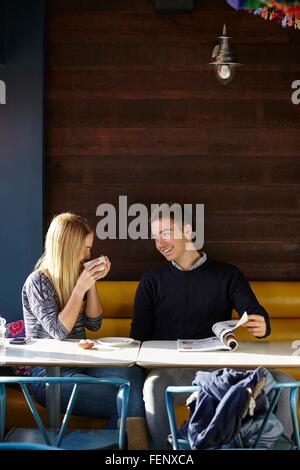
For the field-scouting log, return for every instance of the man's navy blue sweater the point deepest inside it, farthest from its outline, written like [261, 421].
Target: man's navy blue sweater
[172, 304]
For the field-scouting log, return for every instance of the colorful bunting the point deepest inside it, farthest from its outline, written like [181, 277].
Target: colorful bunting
[286, 12]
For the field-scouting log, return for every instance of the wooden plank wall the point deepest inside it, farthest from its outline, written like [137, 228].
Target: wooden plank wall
[133, 109]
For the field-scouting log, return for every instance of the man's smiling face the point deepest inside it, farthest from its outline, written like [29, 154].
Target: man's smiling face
[169, 238]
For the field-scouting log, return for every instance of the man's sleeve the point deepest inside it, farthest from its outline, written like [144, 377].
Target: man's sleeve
[243, 299]
[143, 321]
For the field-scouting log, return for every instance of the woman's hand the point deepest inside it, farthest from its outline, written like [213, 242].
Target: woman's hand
[88, 277]
[103, 273]
[256, 325]
[101, 267]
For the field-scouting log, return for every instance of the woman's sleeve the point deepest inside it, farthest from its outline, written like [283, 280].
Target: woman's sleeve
[92, 324]
[43, 305]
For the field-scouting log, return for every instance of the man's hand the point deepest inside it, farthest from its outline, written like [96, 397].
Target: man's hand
[256, 325]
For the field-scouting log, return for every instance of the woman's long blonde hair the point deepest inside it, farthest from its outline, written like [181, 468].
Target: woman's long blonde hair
[65, 241]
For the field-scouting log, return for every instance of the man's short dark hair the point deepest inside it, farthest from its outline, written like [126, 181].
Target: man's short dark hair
[175, 211]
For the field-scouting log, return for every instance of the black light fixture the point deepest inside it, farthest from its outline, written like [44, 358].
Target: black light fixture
[225, 62]
[174, 6]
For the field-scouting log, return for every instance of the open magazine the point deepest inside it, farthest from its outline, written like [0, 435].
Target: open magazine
[224, 339]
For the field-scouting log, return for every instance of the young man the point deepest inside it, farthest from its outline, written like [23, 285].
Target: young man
[183, 299]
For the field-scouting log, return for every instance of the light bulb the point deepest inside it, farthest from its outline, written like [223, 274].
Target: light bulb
[225, 72]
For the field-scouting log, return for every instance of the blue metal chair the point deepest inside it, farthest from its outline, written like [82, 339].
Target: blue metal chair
[71, 439]
[180, 443]
[22, 446]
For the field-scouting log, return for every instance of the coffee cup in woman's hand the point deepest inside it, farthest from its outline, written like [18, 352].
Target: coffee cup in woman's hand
[102, 274]
[100, 261]
[105, 271]
[98, 267]
[88, 277]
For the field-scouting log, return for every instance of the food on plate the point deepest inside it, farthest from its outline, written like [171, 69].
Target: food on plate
[86, 343]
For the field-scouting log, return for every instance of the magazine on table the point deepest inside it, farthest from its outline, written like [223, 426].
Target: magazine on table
[224, 338]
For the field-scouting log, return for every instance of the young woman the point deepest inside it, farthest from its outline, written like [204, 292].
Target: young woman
[59, 301]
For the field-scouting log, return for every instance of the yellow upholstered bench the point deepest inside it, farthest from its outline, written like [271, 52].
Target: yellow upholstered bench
[281, 300]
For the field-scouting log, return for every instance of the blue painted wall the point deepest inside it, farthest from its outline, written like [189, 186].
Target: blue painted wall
[21, 151]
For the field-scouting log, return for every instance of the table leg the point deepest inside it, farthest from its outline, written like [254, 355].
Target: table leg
[53, 399]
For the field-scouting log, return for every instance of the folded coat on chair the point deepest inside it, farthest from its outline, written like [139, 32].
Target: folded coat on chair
[219, 411]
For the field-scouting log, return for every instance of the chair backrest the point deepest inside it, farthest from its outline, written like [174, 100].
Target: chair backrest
[23, 446]
[122, 398]
[180, 444]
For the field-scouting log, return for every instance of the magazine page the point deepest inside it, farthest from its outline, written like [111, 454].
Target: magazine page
[224, 339]
[223, 329]
[207, 344]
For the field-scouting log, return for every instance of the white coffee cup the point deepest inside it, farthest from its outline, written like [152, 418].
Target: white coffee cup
[87, 264]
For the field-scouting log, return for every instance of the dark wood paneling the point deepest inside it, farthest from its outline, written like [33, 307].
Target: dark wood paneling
[175, 56]
[132, 84]
[152, 169]
[261, 142]
[245, 199]
[173, 113]
[99, 26]
[118, 6]
[129, 6]
[133, 108]
[169, 142]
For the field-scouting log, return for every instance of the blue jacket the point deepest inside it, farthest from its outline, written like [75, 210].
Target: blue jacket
[216, 413]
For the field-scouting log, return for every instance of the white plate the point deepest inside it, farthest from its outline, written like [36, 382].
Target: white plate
[115, 341]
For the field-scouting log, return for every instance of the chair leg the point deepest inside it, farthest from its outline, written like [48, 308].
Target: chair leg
[137, 433]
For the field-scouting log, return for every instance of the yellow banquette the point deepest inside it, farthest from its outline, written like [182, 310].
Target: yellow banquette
[281, 300]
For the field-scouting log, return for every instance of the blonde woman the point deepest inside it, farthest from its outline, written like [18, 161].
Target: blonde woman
[59, 301]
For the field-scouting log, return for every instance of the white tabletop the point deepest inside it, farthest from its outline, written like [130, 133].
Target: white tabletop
[51, 352]
[248, 354]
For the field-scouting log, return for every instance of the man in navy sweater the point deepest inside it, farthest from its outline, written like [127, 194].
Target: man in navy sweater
[183, 299]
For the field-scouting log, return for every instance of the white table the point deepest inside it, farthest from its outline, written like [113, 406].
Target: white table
[249, 354]
[53, 354]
